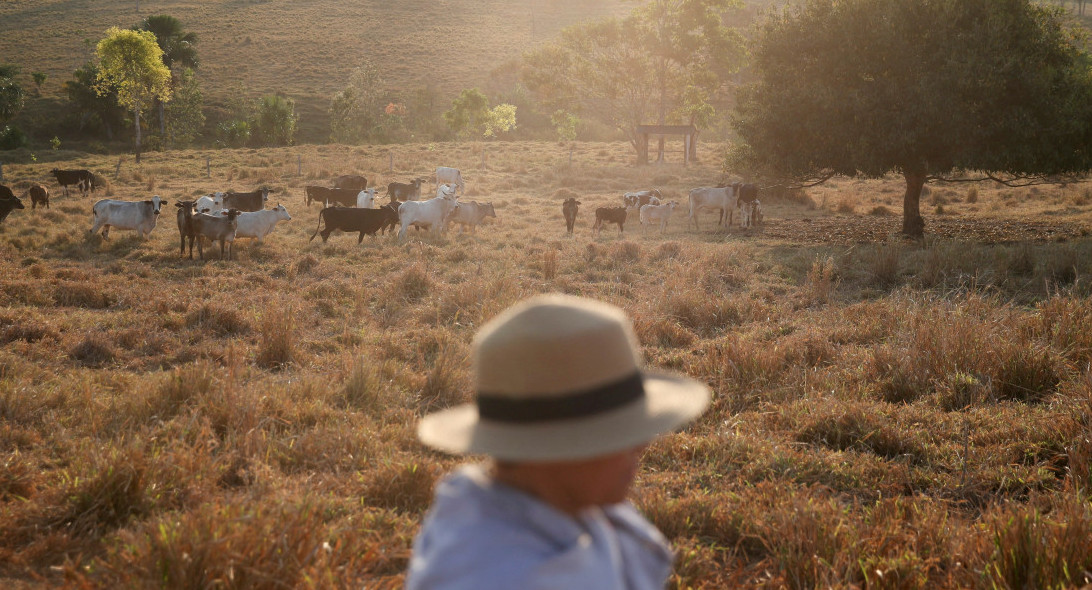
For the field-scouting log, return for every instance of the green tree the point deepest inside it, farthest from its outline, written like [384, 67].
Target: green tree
[356, 110]
[469, 113]
[500, 119]
[565, 124]
[179, 53]
[132, 63]
[11, 93]
[631, 71]
[690, 48]
[930, 89]
[85, 100]
[275, 120]
[184, 115]
[39, 79]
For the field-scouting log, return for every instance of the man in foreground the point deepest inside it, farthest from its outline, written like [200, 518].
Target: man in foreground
[564, 411]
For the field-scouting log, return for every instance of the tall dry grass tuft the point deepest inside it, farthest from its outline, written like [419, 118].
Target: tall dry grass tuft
[221, 320]
[362, 387]
[184, 386]
[1061, 265]
[405, 487]
[114, 491]
[884, 264]
[1065, 323]
[412, 285]
[277, 338]
[549, 264]
[1020, 260]
[446, 383]
[820, 279]
[1036, 550]
[94, 350]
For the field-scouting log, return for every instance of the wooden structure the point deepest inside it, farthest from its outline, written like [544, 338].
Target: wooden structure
[689, 133]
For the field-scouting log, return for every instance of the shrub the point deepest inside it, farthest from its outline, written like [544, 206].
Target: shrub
[12, 138]
[218, 319]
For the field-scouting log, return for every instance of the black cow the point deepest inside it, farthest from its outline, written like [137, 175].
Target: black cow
[351, 219]
[604, 215]
[331, 196]
[83, 179]
[185, 226]
[401, 191]
[569, 209]
[351, 182]
[252, 201]
[8, 202]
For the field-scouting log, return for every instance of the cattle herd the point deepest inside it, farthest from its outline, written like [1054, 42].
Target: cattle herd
[349, 206]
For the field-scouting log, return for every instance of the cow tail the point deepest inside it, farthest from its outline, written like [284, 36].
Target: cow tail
[321, 217]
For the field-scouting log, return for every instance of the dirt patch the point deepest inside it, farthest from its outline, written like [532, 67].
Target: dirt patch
[865, 230]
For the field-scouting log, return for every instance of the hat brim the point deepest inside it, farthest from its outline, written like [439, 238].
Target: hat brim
[669, 402]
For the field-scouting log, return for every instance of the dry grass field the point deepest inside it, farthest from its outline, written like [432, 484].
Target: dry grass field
[887, 414]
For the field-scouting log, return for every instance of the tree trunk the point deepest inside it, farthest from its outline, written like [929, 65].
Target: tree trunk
[663, 108]
[912, 223]
[162, 119]
[136, 121]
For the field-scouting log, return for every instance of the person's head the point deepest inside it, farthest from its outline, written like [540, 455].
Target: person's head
[560, 389]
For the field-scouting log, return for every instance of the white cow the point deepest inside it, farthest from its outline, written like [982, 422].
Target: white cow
[722, 198]
[651, 214]
[450, 176]
[431, 214]
[471, 214]
[136, 215]
[210, 203]
[258, 224]
[365, 199]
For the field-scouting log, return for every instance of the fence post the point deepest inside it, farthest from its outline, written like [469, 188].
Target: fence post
[117, 171]
[391, 166]
[570, 156]
[208, 167]
[299, 165]
[483, 158]
[1, 171]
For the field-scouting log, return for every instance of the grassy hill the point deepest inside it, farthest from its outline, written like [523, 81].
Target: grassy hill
[302, 48]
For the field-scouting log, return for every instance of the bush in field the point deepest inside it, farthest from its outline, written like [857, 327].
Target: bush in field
[275, 120]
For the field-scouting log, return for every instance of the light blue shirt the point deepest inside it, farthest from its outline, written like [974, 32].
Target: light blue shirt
[482, 535]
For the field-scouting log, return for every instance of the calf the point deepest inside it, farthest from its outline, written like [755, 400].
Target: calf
[83, 179]
[400, 191]
[751, 213]
[39, 195]
[136, 215]
[351, 219]
[723, 199]
[258, 224]
[351, 182]
[218, 228]
[639, 199]
[658, 214]
[569, 209]
[185, 226]
[8, 202]
[471, 214]
[604, 215]
[252, 201]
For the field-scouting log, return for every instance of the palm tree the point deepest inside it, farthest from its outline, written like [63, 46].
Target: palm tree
[179, 48]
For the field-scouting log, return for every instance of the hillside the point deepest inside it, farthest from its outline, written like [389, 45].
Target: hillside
[302, 48]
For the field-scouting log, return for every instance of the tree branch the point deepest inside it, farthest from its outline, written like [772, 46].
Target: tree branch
[1013, 180]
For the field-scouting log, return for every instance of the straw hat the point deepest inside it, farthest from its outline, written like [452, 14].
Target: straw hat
[559, 378]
